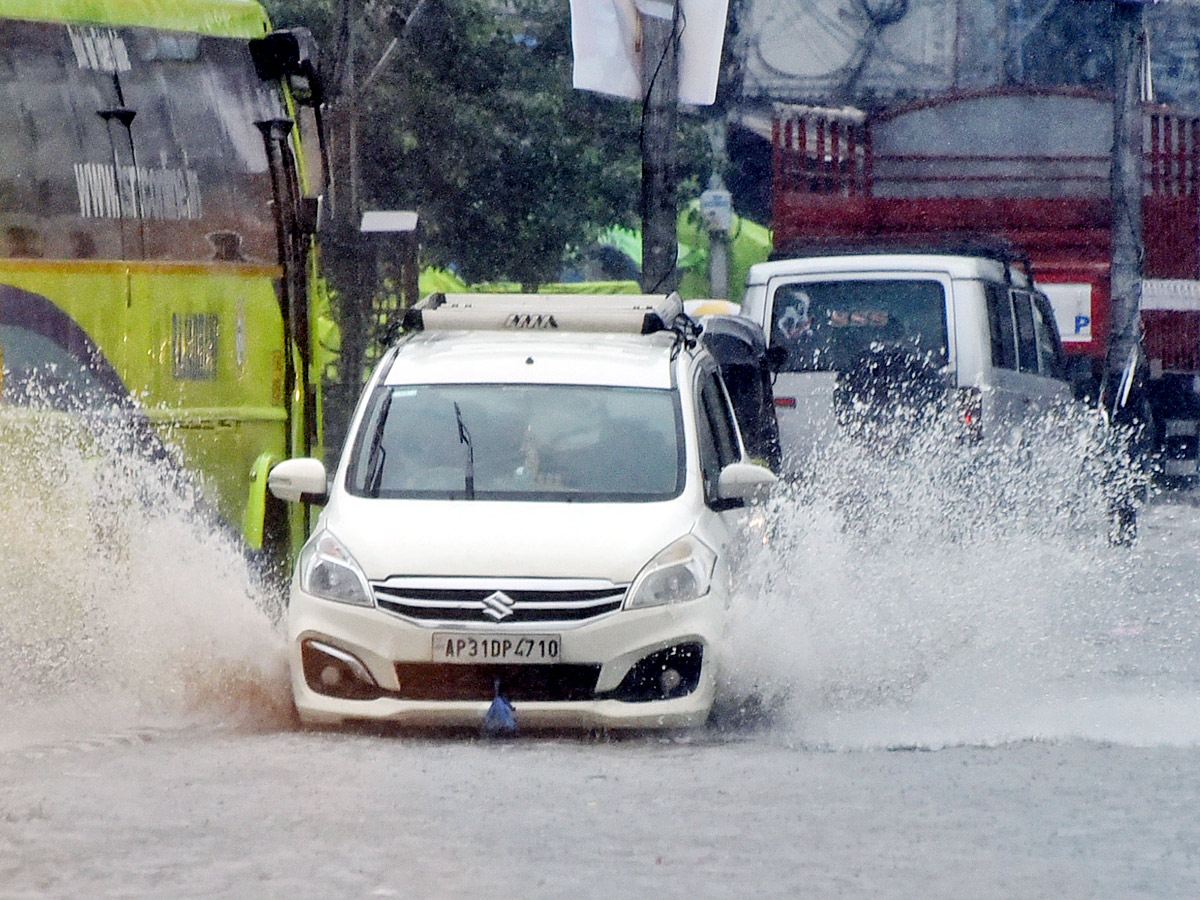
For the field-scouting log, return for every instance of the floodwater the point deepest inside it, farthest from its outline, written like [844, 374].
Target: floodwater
[940, 681]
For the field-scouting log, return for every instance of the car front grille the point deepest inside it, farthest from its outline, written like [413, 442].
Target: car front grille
[508, 602]
[555, 682]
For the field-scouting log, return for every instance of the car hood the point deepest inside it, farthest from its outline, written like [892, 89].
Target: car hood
[506, 539]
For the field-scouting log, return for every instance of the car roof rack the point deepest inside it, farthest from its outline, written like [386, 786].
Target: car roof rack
[619, 313]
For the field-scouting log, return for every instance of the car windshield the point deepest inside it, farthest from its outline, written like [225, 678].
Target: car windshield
[520, 442]
[830, 325]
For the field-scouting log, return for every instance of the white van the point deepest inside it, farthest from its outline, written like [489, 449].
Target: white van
[974, 326]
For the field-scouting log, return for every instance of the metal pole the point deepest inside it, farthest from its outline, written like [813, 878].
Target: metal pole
[1127, 183]
[718, 262]
[717, 204]
[660, 90]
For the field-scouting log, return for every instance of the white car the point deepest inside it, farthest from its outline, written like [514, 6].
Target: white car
[533, 510]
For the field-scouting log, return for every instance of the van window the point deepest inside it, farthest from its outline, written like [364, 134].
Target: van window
[1000, 322]
[1050, 352]
[1027, 350]
[830, 325]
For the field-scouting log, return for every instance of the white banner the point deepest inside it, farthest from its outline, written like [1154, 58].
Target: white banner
[606, 36]
[607, 42]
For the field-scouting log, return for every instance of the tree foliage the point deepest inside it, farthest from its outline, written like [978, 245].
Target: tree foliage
[474, 123]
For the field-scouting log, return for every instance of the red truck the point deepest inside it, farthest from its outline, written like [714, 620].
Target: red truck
[1029, 169]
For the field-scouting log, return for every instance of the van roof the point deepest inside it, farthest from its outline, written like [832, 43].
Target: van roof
[954, 265]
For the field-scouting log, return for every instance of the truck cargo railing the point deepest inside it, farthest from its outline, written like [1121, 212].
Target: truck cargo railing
[1030, 167]
[833, 154]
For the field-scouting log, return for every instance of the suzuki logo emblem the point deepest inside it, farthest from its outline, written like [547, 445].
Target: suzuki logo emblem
[499, 605]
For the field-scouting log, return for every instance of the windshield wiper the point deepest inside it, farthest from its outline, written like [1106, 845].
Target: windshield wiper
[377, 454]
[464, 437]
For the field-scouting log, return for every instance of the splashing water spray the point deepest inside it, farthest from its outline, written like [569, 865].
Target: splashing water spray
[927, 590]
[121, 598]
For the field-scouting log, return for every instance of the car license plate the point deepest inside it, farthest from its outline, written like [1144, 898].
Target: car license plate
[456, 647]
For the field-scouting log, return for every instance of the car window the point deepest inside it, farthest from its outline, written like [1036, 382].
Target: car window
[520, 442]
[1050, 352]
[1002, 327]
[1027, 349]
[830, 325]
[753, 402]
[718, 434]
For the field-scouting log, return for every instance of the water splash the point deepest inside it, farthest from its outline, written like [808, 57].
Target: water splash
[951, 592]
[119, 599]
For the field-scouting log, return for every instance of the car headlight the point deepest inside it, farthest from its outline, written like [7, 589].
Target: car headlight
[327, 570]
[683, 571]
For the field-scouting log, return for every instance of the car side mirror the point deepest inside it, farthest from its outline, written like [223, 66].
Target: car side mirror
[299, 481]
[743, 481]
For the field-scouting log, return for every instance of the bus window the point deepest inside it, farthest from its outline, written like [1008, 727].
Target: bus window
[121, 130]
[200, 153]
[52, 127]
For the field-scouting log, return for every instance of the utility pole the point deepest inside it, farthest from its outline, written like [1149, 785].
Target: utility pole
[352, 270]
[660, 90]
[343, 251]
[1127, 180]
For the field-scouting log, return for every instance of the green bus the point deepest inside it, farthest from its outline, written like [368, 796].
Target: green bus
[157, 222]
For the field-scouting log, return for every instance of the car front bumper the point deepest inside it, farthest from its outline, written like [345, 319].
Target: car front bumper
[608, 674]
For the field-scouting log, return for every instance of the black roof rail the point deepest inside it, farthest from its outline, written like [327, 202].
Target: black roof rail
[984, 246]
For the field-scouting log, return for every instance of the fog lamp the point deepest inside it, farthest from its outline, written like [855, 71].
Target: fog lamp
[334, 672]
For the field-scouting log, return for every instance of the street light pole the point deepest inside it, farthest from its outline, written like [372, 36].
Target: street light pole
[660, 91]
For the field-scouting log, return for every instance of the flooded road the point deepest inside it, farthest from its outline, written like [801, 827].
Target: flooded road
[205, 812]
[915, 705]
